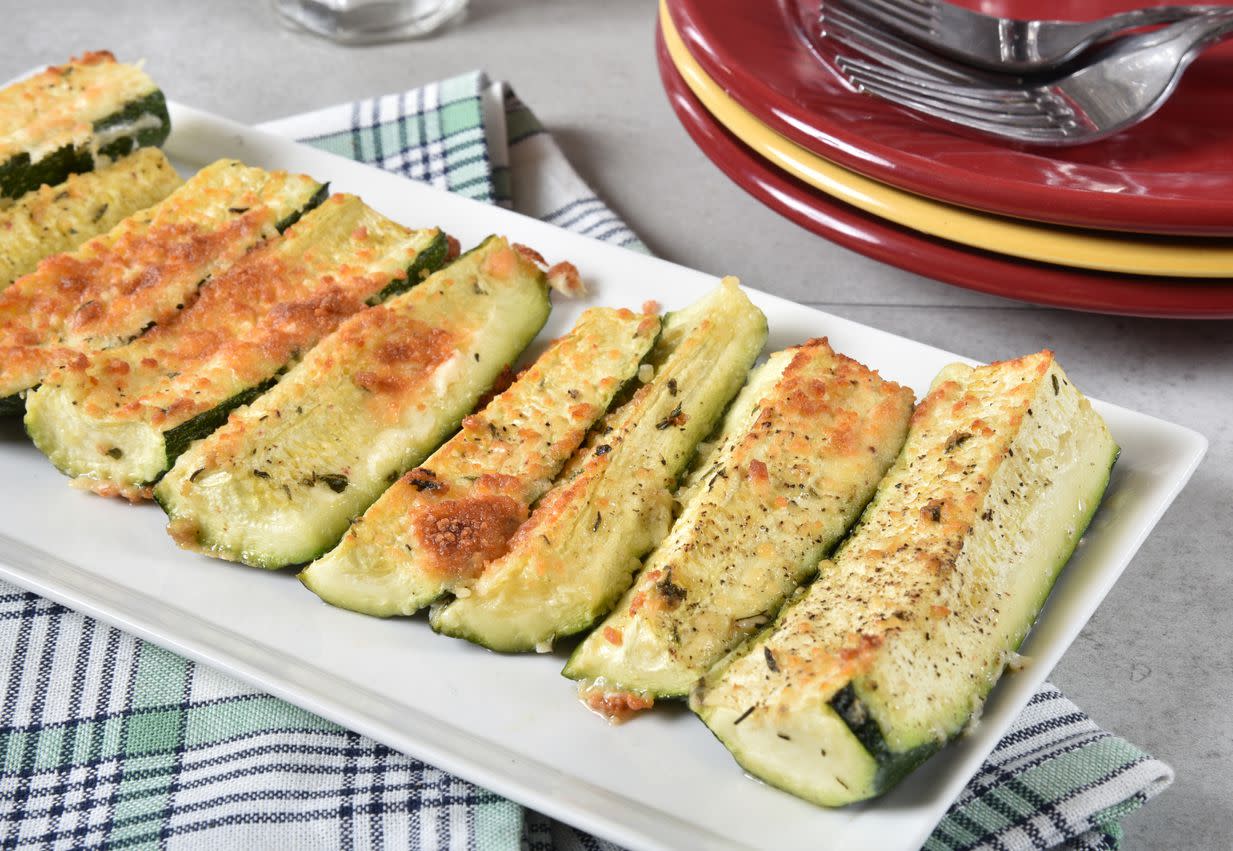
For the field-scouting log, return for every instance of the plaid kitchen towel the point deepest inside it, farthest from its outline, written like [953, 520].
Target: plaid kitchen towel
[107, 741]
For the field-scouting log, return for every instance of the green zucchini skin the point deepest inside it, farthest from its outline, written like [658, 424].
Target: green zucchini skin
[53, 219]
[892, 766]
[228, 205]
[153, 105]
[144, 114]
[313, 202]
[486, 477]
[121, 417]
[578, 552]
[178, 439]
[887, 656]
[18, 175]
[428, 261]
[279, 484]
[799, 456]
[12, 406]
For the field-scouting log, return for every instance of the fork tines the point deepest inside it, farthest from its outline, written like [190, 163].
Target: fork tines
[856, 33]
[909, 76]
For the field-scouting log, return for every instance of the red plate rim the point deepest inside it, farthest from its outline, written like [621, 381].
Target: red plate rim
[986, 272]
[715, 37]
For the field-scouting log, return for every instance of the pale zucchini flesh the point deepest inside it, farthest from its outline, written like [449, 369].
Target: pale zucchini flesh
[799, 457]
[73, 118]
[52, 219]
[577, 553]
[118, 418]
[432, 531]
[280, 482]
[898, 642]
[144, 270]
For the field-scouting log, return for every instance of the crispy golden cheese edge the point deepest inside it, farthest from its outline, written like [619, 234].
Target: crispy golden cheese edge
[800, 709]
[58, 218]
[391, 361]
[482, 482]
[800, 455]
[518, 604]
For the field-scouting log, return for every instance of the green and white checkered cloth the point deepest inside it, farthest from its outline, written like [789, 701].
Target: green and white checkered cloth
[107, 741]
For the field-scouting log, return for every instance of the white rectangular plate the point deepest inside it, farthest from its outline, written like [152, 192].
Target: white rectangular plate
[512, 724]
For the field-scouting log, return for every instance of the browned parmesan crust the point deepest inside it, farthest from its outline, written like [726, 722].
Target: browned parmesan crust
[143, 271]
[59, 218]
[281, 481]
[578, 551]
[800, 455]
[434, 530]
[894, 647]
[73, 118]
[113, 416]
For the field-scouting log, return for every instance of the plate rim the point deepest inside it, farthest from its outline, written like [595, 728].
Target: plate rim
[147, 621]
[1060, 205]
[935, 258]
[1087, 249]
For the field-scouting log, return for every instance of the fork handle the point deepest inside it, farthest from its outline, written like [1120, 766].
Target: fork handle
[1144, 18]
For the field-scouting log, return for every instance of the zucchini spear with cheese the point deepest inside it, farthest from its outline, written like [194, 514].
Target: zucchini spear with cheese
[433, 531]
[799, 456]
[144, 270]
[72, 117]
[577, 552]
[899, 640]
[58, 218]
[117, 419]
[280, 482]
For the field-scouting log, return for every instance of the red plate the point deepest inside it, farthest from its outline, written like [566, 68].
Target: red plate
[1171, 174]
[976, 270]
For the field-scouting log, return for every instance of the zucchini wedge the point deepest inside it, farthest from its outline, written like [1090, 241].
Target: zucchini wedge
[117, 419]
[280, 482]
[799, 456]
[574, 557]
[144, 270]
[433, 531]
[897, 643]
[72, 117]
[52, 219]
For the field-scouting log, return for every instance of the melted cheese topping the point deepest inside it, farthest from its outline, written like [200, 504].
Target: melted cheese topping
[887, 574]
[58, 107]
[613, 502]
[250, 321]
[946, 571]
[144, 270]
[802, 452]
[59, 218]
[287, 473]
[442, 522]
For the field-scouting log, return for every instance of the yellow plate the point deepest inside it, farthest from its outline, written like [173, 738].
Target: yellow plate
[1193, 257]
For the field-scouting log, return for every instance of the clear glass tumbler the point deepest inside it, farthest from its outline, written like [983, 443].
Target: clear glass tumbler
[370, 21]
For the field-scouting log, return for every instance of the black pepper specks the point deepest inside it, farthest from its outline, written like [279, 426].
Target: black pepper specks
[672, 419]
[956, 440]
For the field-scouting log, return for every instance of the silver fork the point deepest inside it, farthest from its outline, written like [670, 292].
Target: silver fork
[1008, 45]
[1130, 82]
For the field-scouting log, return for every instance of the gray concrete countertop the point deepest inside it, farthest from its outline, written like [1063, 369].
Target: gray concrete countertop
[1153, 665]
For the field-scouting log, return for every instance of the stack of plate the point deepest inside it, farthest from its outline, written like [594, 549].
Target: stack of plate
[1139, 224]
